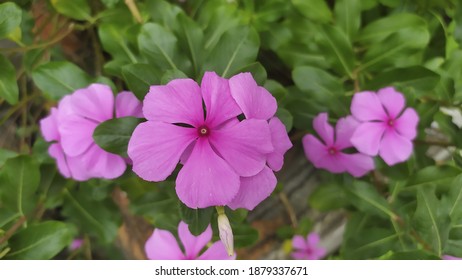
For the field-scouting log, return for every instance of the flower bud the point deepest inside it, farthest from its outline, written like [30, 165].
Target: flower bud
[226, 233]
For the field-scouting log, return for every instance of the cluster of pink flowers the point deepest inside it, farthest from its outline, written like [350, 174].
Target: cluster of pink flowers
[70, 128]
[379, 125]
[224, 134]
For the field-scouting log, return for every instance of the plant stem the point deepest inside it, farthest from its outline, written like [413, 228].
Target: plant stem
[13, 229]
[134, 10]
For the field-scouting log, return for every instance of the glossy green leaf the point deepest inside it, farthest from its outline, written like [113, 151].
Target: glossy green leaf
[172, 74]
[191, 41]
[410, 255]
[370, 243]
[113, 135]
[455, 199]
[338, 50]
[57, 79]
[75, 9]
[286, 118]
[443, 174]
[197, 219]
[8, 86]
[160, 47]
[98, 218]
[416, 77]
[21, 177]
[378, 30]
[366, 198]
[348, 16]
[328, 197]
[114, 41]
[276, 89]
[316, 10]
[10, 18]
[431, 219]
[110, 3]
[139, 77]
[237, 48]
[40, 241]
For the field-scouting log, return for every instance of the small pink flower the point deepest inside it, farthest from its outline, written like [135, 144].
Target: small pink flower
[307, 249]
[70, 127]
[328, 153]
[451, 258]
[162, 245]
[386, 129]
[76, 244]
[222, 157]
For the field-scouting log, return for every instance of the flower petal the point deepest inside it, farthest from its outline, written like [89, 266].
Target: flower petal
[300, 255]
[219, 103]
[344, 130]
[57, 153]
[366, 106]
[216, 252]
[206, 179]
[358, 164]
[324, 129]
[254, 190]
[96, 102]
[78, 168]
[244, 146]
[281, 144]
[392, 100]
[156, 147]
[395, 148]
[299, 242]
[406, 124]
[162, 245]
[314, 149]
[127, 105]
[367, 137]
[193, 244]
[76, 133]
[179, 101]
[101, 164]
[49, 126]
[255, 101]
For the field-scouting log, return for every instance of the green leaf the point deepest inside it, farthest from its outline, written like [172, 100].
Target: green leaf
[348, 16]
[370, 243]
[286, 118]
[257, 70]
[338, 50]
[139, 77]
[320, 86]
[328, 197]
[417, 77]
[110, 3]
[8, 86]
[191, 41]
[113, 135]
[236, 49]
[431, 220]
[366, 198]
[160, 47]
[114, 40]
[276, 89]
[75, 9]
[410, 255]
[455, 199]
[197, 219]
[440, 175]
[316, 10]
[99, 218]
[396, 49]
[171, 75]
[57, 79]
[22, 177]
[10, 18]
[244, 235]
[380, 29]
[40, 241]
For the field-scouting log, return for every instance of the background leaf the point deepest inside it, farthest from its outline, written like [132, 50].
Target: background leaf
[75, 9]
[8, 86]
[10, 18]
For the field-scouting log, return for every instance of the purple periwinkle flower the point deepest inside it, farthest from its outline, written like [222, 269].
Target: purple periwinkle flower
[70, 128]
[162, 245]
[328, 153]
[386, 128]
[224, 159]
[307, 248]
[76, 244]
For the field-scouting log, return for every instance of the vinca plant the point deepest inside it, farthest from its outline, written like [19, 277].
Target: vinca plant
[157, 129]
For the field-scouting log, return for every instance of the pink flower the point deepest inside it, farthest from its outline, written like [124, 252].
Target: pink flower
[70, 127]
[328, 153]
[451, 258]
[386, 129]
[199, 127]
[76, 244]
[257, 103]
[307, 249]
[162, 245]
